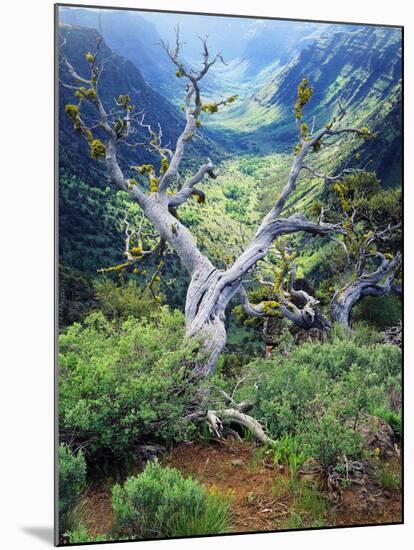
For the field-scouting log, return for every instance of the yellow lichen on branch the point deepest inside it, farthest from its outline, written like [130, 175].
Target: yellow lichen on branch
[214, 106]
[119, 268]
[164, 166]
[98, 149]
[270, 307]
[153, 184]
[124, 100]
[364, 133]
[90, 58]
[304, 94]
[339, 189]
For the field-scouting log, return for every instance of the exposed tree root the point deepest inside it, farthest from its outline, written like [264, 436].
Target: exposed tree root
[234, 414]
[216, 419]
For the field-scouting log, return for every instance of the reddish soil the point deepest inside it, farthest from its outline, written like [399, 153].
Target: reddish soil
[96, 509]
[233, 467]
[370, 504]
[230, 467]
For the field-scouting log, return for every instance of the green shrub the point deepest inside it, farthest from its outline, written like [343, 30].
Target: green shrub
[229, 364]
[317, 394]
[122, 301]
[72, 475]
[120, 382]
[337, 358]
[364, 334]
[281, 391]
[384, 311]
[358, 392]
[386, 477]
[327, 437]
[361, 333]
[286, 390]
[79, 535]
[394, 419]
[160, 502]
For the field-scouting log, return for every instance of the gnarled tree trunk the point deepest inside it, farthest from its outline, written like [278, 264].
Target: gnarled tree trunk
[377, 283]
[210, 289]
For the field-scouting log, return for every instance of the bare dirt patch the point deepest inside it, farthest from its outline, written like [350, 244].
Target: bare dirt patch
[234, 467]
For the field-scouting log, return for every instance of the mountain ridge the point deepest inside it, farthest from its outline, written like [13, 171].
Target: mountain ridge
[120, 76]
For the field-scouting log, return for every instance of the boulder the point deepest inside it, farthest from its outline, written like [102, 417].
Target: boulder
[377, 434]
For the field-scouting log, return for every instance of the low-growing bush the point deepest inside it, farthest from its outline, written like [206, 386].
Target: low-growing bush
[79, 535]
[336, 358]
[364, 334]
[281, 391]
[358, 392]
[122, 301]
[318, 394]
[327, 437]
[230, 364]
[72, 475]
[386, 477]
[284, 389]
[160, 502]
[120, 382]
[394, 420]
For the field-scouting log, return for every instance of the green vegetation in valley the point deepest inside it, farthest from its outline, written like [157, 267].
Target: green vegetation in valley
[129, 377]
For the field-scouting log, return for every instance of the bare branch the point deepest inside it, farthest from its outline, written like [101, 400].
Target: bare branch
[137, 254]
[330, 179]
[188, 188]
[192, 105]
[75, 75]
[305, 317]
[250, 309]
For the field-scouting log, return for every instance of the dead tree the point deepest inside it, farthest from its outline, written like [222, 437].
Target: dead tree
[210, 289]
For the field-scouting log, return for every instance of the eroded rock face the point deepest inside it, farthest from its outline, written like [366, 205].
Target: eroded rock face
[377, 434]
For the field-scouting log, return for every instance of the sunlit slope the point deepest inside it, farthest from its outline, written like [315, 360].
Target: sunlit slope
[360, 69]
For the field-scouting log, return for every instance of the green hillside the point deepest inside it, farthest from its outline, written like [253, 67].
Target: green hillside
[251, 142]
[260, 367]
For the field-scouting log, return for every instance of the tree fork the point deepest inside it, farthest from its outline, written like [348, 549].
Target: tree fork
[210, 290]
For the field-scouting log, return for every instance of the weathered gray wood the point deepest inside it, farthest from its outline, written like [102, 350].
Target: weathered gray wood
[377, 283]
[210, 290]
